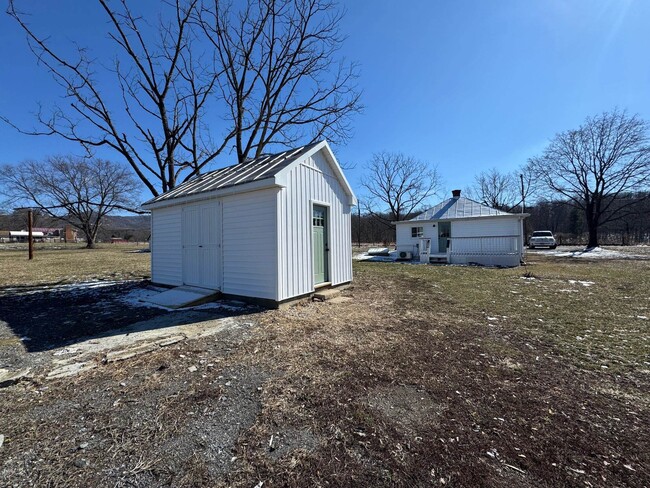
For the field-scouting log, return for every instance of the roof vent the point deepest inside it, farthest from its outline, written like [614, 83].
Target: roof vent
[455, 193]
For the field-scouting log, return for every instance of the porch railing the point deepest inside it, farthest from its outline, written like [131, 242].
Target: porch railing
[484, 245]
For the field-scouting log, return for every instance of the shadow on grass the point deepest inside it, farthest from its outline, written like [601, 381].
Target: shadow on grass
[47, 317]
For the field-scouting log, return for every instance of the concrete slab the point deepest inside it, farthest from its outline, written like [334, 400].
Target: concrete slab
[70, 370]
[327, 294]
[9, 377]
[183, 296]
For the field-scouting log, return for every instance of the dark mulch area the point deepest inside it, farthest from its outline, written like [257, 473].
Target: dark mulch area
[45, 318]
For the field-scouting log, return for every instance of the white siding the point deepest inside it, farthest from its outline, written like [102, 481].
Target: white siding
[498, 246]
[404, 241]
[166, 246]
[312, 181]
[485, 227]
[249, 244]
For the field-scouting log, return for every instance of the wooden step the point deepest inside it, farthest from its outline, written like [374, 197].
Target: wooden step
[438, 259]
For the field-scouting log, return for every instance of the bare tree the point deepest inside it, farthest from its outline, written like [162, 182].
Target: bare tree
[505, 191]
[398, 183]
[282, 81]
[607, 156]
[78, 191]
[264, 74]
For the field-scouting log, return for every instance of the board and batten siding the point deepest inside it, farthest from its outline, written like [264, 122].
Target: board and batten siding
[249, 244]
[308, 183]
[167, 246]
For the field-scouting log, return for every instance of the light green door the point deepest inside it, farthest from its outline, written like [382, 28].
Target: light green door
[444, 232]
[320, 249]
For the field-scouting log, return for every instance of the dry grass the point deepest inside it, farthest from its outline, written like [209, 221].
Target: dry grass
[67, 263]
[428, 376]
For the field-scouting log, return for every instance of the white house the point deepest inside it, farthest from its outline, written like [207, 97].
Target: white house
[462, 231]
[274, 228]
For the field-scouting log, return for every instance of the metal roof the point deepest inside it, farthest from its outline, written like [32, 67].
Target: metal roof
[263, 167]
[459, 208]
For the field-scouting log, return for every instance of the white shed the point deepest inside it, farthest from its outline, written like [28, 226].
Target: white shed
[462, 231]
[274, 228]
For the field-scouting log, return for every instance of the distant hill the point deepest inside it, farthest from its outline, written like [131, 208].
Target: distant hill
[127, 222]
[129, 227]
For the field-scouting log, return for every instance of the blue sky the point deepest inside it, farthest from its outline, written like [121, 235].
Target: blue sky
[465, 84]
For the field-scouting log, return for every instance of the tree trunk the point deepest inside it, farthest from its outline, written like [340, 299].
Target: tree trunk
[90, 238]
[593, 234]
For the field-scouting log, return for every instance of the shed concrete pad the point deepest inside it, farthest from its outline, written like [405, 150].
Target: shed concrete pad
[182, 296]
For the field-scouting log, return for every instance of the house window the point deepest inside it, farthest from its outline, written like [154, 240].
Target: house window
[417, 231]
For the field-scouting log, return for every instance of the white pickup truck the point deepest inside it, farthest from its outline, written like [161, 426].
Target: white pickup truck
[542, 238]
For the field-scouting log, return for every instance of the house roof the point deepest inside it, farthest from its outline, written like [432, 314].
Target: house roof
[459, 208]
[261, 168]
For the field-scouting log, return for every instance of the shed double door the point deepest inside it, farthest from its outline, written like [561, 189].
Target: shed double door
[201, 256]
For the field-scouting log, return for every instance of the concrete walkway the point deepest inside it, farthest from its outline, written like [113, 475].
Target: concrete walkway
[137, 339]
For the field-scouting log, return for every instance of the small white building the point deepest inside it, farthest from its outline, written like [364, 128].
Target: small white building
[273, 228]
[462, 231]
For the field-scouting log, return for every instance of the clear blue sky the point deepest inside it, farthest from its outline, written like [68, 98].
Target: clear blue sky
[464, 84]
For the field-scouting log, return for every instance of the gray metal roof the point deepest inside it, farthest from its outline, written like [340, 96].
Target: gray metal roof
[459, 208]
[265, 166]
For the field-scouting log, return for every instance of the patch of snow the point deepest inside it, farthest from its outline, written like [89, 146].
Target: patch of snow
[66, 350]
[583, 283]
[392, 256]
[137, 297]
[593, 253]
[68, 287]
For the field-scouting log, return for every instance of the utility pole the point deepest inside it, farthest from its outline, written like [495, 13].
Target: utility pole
[359, 224]
[523, 194]
[30, 223]
[523, 209]
[30, 229]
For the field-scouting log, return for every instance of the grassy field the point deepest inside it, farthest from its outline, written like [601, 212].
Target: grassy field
[68, 263]
[424, 376]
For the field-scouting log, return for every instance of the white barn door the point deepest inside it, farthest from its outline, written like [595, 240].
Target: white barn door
[201, 264]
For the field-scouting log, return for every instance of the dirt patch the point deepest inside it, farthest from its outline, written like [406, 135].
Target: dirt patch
[406, 406]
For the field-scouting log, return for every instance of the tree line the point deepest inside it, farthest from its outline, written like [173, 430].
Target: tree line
[563, 219]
